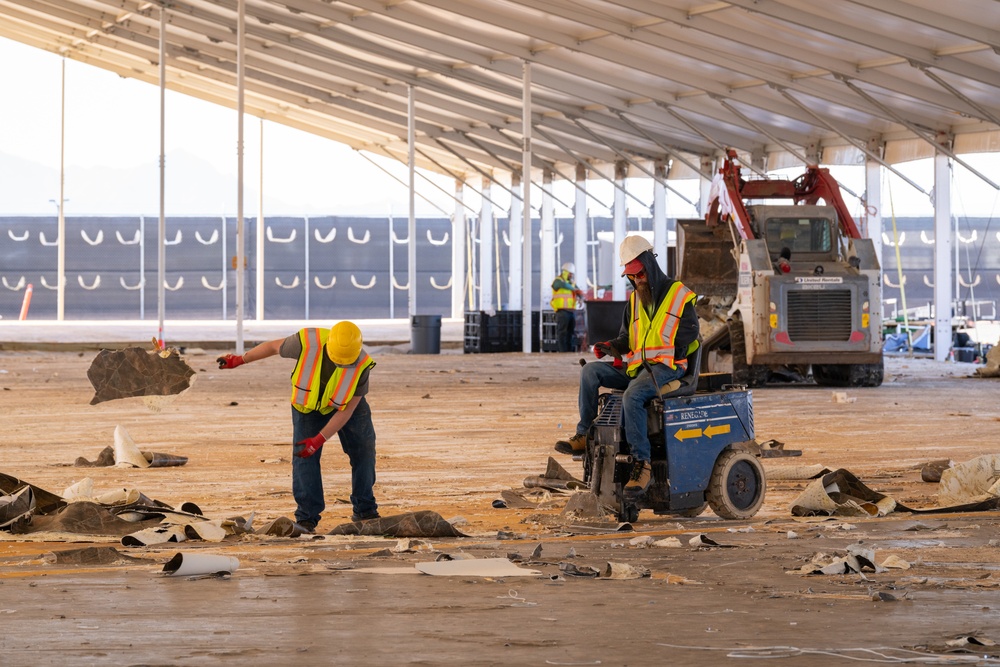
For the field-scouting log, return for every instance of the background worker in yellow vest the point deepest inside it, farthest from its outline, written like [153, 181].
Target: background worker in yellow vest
[329, 385]
[659, 326]
[564, 296]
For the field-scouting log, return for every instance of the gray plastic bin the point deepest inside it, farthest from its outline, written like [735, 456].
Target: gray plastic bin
[425, 334]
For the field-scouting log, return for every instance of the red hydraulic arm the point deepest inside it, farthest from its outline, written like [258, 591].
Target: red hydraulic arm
[815, 184]
[733, 183]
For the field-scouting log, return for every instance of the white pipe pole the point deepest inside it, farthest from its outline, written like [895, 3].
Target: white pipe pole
[260, 228]
[161, 250]
[660, 240]
[61, 257]
[411, 138]
[392, 267]
[526, 202]
[142, 267]
[942, 256]
[580, 228]
[547, 258]
[514, 224]
[305, 269]
[487, 227]
[225, 271]
[458, 253]
[873, 205]
[240, 71]
[619, 227]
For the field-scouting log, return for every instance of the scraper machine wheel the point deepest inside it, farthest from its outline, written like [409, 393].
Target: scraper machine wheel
[736, 489]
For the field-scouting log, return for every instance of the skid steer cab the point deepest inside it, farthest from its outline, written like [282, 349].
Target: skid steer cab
[703, 451]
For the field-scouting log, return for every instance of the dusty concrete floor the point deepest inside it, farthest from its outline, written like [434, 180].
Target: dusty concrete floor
[453, 432]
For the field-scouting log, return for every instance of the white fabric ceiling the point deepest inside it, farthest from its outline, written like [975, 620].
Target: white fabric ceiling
[612, 80]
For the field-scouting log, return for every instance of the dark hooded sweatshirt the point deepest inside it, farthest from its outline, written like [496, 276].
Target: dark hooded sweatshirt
[659, 283]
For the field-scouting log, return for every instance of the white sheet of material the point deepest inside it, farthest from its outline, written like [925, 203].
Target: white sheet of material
[127, 454]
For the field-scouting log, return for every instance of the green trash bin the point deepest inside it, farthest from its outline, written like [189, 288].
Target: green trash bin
[425, 334]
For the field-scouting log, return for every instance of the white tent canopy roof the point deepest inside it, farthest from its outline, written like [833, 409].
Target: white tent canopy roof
[653, 80]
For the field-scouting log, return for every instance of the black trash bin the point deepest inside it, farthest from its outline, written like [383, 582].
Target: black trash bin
[425, 334]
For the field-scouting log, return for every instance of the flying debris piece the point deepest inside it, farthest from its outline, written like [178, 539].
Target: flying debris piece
[135, 372]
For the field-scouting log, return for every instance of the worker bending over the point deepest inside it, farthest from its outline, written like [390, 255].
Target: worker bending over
[329, 385]
[564, 296]
[660, 328]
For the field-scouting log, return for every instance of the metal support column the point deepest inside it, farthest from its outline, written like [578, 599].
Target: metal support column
[580, 228]
[619, 227]
[458, 272]
[411, 255]
[547, 266]
[260, 229]
[487, 229]
[943, 273]
[240, 231]
[61, 249]
[526, 228]
[514, 225]
[873, 206]
[660, 214]
[161, 252]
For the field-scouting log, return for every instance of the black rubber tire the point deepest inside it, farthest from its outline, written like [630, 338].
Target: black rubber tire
[848, 375]
[736, 489]
[744, 373]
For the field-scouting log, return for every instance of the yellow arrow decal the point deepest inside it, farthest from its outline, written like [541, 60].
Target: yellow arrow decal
[716, 430]
[689, 433]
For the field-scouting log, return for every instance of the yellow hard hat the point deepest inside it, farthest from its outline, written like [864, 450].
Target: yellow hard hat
[343, 345]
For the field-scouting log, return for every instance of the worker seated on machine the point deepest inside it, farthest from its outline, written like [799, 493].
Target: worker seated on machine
[659, 329]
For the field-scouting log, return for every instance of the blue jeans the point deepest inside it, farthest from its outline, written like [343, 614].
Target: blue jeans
[357, 439]
[638, 391]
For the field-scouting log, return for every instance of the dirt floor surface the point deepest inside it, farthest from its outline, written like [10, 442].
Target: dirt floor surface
[454, 432]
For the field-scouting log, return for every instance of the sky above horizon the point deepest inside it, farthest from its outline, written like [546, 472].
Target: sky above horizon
[113, 123]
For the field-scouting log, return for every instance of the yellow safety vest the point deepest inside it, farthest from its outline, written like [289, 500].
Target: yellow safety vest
[563, 299]
[307, 394]
[654, 340]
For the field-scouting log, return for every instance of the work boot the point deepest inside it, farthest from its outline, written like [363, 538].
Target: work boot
[575, 445]
[642, 475]
[366, 517]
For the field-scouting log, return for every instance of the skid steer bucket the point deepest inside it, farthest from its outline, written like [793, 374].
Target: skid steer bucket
[705, 261]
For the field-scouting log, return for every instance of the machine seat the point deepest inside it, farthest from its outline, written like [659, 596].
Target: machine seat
[688, 383]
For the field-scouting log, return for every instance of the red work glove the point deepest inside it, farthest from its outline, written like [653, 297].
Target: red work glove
[310, 445]
[230, 361]
[601, 350]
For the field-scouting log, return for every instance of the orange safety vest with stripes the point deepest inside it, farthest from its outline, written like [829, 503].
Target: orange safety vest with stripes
[307, 394]
[563, 298]
[654, 340]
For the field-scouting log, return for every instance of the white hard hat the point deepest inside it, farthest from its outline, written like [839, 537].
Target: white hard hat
[632, 247]
[569, 267]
